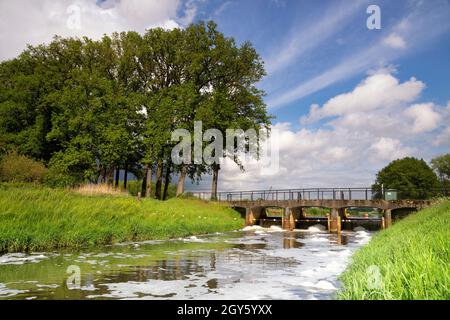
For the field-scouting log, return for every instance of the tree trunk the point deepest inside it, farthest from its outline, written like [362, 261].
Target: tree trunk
[159, 177]
[167, 180]
[117, 178]
[181, 179]
[125, 177]
[103, 179]
[144, 183]
[216, 168]
[110, 179]
[99, 176]
[149, 181]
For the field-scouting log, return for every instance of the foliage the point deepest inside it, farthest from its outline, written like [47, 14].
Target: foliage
[88, 108]
[441, 165]
[412, 256]
[19, 168]
[45, 218]
[316, 212]
[413, 178]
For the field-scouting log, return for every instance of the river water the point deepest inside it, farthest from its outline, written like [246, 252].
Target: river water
[252, 264]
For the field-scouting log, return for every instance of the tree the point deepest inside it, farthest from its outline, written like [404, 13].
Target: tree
[441, 165]
[411, 177]
[89, 108]
[232, 101]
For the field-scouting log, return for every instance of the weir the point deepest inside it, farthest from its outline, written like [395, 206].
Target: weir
[293, 203]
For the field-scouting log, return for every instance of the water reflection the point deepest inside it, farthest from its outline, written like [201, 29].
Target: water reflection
[258, 264]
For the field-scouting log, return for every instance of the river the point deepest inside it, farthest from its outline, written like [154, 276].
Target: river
[252, 264]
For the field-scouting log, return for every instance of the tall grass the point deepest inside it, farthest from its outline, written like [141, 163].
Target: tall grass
[39, 218]
[134, 186]
[413, 257]
[99, 189]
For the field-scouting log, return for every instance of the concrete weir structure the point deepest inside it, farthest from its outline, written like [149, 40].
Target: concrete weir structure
[293, 210]
[253, 204]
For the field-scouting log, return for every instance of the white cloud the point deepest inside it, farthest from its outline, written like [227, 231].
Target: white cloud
[424, 116]
[423, 24]
[376, 122]
[378, 91]
[33, 22]
[443, 139]
[389, 149]
[395, 41]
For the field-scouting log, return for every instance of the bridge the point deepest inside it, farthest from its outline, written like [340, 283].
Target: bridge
[294, 202]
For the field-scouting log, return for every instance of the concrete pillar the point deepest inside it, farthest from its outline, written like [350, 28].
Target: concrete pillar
[387, 218]
[288, 222]
[249, 220]
[252, 214]
[334, 221]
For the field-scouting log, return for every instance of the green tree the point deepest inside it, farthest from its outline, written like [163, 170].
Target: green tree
[441, 165]
[90, 108]
[411, 177]
[232, 100]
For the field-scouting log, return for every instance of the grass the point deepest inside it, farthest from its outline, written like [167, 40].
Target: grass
[38, 218]
[413, 257]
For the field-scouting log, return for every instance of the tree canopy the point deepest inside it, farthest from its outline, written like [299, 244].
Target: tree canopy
[413, 178]
[441, 165]
[89, 108]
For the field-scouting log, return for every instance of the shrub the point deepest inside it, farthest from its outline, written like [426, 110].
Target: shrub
[57, 179]
[70, 169]
[18, 168]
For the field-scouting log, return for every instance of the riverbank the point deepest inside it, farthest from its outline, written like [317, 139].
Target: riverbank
[409, 261]
[36, 218]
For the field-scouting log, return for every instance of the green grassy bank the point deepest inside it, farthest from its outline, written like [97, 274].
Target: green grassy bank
[413, 257]
[39, 218]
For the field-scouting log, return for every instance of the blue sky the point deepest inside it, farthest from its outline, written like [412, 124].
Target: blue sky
[347, 100]
[272, 26]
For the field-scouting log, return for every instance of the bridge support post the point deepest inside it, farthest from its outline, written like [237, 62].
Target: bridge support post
[288, 222]
[387, 218]
[252, 214]
[248, 217]
[334, 221]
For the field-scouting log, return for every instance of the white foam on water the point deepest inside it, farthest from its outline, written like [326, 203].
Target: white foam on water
[359, 228]
[252, 228]
[273, 271]
[6, 292]
[193, 239]
[21, 258]
[318, 239]
[324, 285]
[276, 229]
[51, 286]
[134, 289]
[246, 241]
[317, 228]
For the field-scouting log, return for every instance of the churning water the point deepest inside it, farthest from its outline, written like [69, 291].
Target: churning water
[254, 263]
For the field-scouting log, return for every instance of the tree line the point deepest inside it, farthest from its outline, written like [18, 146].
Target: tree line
[89, 109]
[414, 179]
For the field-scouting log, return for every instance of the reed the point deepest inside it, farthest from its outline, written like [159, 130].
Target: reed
[410, 260]
[39, 218]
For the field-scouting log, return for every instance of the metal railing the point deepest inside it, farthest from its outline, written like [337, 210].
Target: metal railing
[323, 194]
